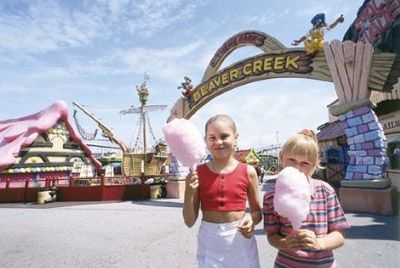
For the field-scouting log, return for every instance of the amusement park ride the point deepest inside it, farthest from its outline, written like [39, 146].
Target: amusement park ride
[367, 62]
[136, 161]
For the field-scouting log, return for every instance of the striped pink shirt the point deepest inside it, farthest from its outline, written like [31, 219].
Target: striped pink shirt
[326, 215]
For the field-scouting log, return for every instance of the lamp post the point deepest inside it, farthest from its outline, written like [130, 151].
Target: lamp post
[277, 144]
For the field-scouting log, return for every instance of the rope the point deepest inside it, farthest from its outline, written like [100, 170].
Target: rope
[138, 133]
[100, 106]
[151, 129]
[85, 135]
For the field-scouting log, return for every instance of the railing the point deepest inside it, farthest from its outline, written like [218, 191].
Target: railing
[77, 189]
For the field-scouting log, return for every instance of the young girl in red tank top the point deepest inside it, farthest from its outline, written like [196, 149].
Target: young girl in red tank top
[220, 188]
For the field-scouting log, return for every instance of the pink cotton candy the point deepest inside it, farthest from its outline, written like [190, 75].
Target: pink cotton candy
[185, 142]
[292, 196]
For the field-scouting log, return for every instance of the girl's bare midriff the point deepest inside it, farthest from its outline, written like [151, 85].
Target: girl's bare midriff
[222, 216]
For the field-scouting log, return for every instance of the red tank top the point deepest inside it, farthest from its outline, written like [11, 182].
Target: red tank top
[223, 192]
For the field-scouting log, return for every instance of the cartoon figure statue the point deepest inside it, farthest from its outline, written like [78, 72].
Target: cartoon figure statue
[314, 39]
[186, 86]
[142, 90]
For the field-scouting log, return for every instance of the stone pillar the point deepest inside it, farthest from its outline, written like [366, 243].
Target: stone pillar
[367, 144]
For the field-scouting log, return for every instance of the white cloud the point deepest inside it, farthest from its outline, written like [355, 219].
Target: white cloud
[332, 9]
[265, 19]
[118, 62]
[155, 15]
[43, 26]
[115, 6]
[170, 63]
[8, 87]
[46, 26]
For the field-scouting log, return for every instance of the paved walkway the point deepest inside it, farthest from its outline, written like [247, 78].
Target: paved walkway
[152, 234]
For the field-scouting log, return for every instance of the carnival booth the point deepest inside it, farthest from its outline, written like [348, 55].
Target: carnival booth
[251, 157]
[334, 148]
[248, 156]
[43, 159]
[41, 151]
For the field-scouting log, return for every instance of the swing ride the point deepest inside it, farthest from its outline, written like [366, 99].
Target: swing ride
[139, 160]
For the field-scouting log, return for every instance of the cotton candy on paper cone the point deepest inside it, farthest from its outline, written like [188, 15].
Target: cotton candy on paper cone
[292, 196]
[185, 142]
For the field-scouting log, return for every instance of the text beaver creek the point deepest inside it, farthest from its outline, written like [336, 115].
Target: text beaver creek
[295, 62]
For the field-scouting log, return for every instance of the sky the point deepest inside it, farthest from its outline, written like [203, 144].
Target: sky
[96, 53]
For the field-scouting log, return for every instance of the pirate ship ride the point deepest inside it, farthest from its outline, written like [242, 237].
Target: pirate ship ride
[139, 160]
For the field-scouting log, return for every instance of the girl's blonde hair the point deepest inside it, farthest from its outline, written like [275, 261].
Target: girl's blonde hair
[304, 144]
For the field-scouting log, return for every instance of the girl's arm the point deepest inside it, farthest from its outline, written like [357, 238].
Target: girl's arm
[248, 222]
[191, 203]
[253, 196]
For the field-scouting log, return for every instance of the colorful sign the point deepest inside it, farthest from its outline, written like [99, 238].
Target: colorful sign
[235, 41]
[375, 18]
[277, 61]
[390, 122]
[289, 62]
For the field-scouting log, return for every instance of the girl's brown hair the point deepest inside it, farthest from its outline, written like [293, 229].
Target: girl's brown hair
[223, 117]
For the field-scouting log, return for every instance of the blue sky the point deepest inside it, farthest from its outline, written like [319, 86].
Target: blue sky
[96, 52]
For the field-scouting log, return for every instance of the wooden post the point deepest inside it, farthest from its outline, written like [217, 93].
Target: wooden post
[350, 66]
[26, 190]
[47, 183]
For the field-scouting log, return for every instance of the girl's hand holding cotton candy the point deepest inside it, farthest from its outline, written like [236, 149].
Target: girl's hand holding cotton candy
[292, 196]
[185, 142]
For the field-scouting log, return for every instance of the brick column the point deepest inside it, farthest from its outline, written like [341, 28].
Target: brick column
[367, 144]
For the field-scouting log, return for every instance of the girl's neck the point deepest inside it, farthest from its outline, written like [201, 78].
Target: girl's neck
[223, 165]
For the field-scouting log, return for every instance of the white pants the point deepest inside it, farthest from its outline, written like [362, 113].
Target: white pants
[223, 246]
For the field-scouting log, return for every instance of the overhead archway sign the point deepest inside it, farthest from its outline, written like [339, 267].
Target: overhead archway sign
[276, 61]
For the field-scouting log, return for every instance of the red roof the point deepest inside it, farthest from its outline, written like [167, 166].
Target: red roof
[330, 131]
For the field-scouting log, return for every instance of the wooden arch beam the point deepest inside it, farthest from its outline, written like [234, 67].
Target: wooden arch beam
[277, 62]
